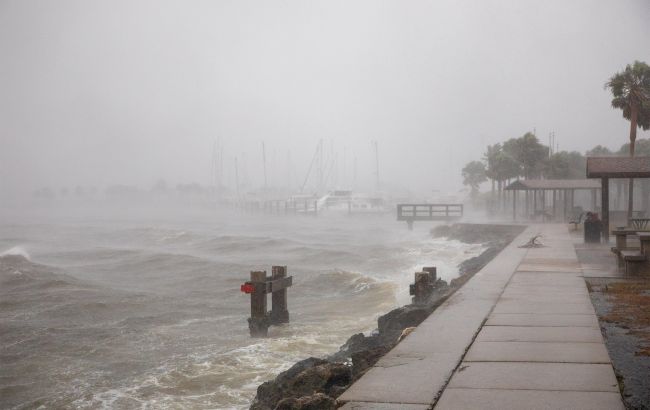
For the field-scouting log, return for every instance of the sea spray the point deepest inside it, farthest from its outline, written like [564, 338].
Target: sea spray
[16, 251]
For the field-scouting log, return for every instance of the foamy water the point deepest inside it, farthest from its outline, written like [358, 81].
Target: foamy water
[141, 312]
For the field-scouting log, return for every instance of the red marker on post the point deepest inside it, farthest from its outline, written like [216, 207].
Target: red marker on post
[247, 288]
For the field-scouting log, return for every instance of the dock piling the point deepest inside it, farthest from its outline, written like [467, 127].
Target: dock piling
[259, 287]
[424, 284]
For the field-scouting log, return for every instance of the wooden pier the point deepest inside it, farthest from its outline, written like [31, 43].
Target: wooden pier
[428, 212]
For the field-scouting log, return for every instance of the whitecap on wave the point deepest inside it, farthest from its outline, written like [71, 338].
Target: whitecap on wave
[16, 251]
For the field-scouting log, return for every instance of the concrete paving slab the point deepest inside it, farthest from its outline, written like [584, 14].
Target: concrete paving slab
[491, 399]
[569, 261]
[531, 319]
[549, 352]
[520, 289]
[539, 334]
[547, 278]
[357, 405]
[545, 268]
[543, 308]
[535, 376]
[402, 380]
[532, 297]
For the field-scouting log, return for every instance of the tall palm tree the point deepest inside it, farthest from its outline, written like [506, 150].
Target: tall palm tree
[631, 91]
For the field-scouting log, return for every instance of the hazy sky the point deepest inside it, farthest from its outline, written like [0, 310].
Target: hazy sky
[101, 92]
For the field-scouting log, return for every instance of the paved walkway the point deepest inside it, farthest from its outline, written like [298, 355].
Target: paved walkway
[522, 333]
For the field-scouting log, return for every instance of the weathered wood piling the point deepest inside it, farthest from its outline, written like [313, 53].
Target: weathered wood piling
[259, 287]
[424, 285]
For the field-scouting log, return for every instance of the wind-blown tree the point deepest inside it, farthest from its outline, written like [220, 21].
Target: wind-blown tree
[490, 158]
[474, 175]
[600, 151]
[529, 152]
[501, 167]
[565, 165]
[631, 91]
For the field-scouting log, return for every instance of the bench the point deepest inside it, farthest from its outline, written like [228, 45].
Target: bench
[637, 261]
[576, 221]
[622, 244]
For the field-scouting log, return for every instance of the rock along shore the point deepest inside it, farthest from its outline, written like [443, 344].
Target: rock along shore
[315, 383]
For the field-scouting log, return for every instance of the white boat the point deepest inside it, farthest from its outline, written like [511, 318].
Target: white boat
[345, 202]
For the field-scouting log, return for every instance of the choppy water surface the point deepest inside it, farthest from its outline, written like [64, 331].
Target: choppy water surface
[145, 311]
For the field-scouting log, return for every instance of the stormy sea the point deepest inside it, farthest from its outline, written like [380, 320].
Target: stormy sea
[141, 308]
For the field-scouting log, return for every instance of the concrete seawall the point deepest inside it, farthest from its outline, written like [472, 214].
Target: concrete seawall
[521, 333]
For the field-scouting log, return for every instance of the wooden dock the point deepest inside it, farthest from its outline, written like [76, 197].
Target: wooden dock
[428, 212]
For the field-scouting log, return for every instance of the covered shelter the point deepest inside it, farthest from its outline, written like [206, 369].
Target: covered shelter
[607, 168]
[560, 188]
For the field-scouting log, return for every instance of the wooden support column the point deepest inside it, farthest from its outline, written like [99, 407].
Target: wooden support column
[604, 206]
[527, 204]
[534, 204]
[279, 311]
[554, 205]
[514, 205]
[593, 200]
[258, 323]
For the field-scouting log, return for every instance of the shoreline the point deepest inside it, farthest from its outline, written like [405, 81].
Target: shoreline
[317, 382]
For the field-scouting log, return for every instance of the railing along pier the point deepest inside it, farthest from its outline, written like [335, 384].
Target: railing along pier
[428, 212]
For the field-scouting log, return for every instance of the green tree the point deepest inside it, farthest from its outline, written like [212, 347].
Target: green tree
[599, 151]
[528, 152]
[474, 175]
[565, 165]
[631, 91]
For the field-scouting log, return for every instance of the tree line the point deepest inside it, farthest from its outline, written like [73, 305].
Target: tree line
[526, 157]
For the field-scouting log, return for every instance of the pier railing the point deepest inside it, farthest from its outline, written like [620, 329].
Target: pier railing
[428, 212]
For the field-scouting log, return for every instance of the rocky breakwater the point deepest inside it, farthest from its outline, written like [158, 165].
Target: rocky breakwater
[315, 383]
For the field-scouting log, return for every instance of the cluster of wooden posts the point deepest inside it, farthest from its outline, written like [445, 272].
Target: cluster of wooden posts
[424, 284]
[259, 287]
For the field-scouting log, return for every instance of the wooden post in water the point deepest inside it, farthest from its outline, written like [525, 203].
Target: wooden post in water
[432, 271]
[279, 312]
[423, 285]
[258, 287]
[259, 322]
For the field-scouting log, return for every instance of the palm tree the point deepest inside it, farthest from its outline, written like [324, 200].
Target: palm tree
[631, 91]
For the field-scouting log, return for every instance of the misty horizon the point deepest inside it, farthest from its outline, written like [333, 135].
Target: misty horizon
[99, 93]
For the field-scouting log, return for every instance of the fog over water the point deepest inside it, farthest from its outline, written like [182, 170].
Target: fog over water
[123, 92]
[137, 139]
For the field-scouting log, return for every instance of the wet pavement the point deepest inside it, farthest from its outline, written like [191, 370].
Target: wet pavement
[522, 333]
[627, 335]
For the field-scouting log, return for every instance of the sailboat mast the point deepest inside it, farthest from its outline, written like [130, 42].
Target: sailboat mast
[264, 165]
[376, 146]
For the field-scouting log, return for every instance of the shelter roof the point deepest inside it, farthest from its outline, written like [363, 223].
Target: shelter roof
[550, 184]
[618, 167]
